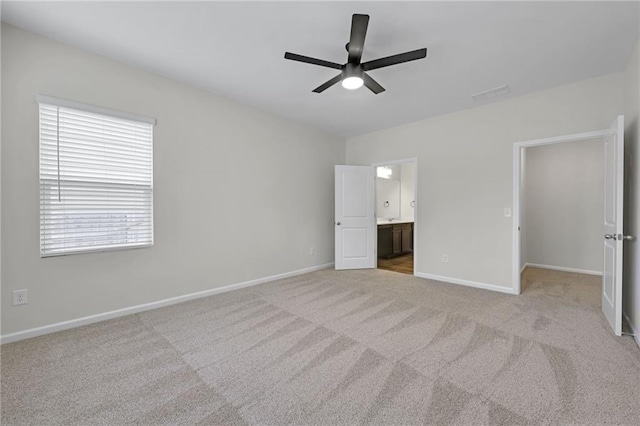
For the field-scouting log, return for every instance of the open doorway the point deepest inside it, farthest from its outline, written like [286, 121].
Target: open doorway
[610, 234]
[396, 215]
[562, 207]
[561, 217]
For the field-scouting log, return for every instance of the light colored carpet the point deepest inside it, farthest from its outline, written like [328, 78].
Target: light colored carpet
[338, 348]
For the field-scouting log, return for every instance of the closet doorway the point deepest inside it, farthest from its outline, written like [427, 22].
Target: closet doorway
[396, 208]
[611, 232]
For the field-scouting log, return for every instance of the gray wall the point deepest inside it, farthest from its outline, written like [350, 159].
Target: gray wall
[563, 205]
[238, 194]
[631, 301]
[465, 171]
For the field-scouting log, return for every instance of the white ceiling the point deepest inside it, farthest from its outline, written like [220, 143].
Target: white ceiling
[235, 49]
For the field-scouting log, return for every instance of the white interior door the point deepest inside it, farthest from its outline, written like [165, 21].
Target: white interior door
[613, 238]
[355, 217]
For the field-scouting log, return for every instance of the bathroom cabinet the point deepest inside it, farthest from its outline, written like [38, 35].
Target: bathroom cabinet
[395, 239]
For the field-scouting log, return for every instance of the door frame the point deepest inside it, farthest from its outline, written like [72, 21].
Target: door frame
[517, 182]
[413, 160]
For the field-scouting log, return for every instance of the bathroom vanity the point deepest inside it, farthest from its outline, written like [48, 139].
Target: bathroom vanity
[394, 238]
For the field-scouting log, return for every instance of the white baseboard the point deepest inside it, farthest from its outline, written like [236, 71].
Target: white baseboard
[467, 283]
[78, 322]
[523, 268]
[562, 269]
[635, 331]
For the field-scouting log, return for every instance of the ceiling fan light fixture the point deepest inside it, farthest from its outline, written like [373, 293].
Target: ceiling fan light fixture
[352, 83]
[352, 76]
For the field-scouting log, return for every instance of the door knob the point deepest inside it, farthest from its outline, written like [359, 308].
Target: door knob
[619, 237]
[338, 223]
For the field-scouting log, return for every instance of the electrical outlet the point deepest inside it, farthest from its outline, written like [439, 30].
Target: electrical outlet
[20, 297]
[445, 258]
[312, 251]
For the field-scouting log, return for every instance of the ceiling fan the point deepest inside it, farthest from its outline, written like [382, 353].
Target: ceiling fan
[353, 74]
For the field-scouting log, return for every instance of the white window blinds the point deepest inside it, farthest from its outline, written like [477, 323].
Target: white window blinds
[96, 181]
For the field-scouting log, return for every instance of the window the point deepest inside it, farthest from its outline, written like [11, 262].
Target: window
[96, 179]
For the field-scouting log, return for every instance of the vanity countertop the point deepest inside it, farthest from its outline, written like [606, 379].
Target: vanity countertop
[393, 222]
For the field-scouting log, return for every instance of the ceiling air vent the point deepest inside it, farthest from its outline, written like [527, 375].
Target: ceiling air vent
[491, 93]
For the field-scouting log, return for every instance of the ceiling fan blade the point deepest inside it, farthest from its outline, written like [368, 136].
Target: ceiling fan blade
[313, 61]
[359, 24]
[371, 84]
[328, 84]
[395, 59]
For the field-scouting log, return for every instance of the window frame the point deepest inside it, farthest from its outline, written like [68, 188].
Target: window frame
[110, 113]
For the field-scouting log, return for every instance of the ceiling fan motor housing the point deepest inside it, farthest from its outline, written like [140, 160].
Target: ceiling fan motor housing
[352, 70]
